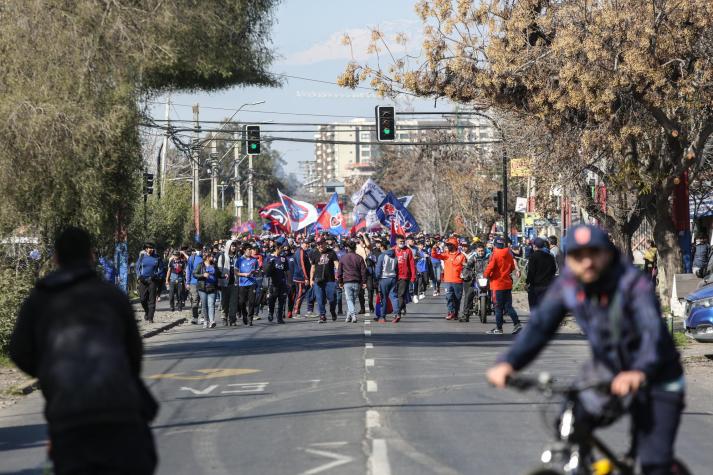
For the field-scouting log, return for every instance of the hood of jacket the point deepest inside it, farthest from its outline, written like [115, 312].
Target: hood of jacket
[65, 277]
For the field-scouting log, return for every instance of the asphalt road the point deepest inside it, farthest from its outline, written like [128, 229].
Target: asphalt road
[338, 398]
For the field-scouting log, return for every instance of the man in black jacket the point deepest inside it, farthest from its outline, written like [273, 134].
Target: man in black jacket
[77, 334]
[541, 270]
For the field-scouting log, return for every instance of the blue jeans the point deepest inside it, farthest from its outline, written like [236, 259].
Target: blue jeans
[351, 292]
[502, 302]
[454, 294]
[387, 287]
[326, 292]
[208, 302]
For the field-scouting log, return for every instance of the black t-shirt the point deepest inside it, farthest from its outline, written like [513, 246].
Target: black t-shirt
[324, 266]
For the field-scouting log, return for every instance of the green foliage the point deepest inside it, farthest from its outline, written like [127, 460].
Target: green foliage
[15, 287]
[680, 339]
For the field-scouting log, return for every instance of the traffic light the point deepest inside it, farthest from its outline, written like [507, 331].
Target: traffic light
[385, 123]
[252, 139]
[148, 183]
[498, 204]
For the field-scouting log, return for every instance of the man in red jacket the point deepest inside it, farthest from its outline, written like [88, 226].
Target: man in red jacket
[453, 262]
[405, 275]
[498, 271]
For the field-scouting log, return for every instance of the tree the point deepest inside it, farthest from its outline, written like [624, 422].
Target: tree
[627, 85]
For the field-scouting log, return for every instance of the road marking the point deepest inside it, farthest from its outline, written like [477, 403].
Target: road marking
[337, 460]
[379, 460]
[329, 444]
[373, 419]
[210, 373]
[367, 322]
[246, 388]
[201, 392]
[367, 332]
[369, 346]
[371, 386]
[369, 362]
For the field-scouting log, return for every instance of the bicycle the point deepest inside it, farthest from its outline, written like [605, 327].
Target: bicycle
[562, 457]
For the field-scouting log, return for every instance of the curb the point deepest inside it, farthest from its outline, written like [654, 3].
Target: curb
[31, 386]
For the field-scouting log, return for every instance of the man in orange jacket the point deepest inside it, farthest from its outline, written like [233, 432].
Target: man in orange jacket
[453, 262]
[498, 271]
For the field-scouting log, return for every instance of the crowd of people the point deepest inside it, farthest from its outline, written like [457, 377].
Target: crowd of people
[326, 276]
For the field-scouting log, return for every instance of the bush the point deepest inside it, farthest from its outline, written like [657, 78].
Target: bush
[15, 287]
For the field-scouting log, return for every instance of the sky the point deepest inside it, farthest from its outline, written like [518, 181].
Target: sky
[307, 42]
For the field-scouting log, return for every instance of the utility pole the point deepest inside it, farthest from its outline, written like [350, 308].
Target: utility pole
[195, 156]
[506, 231]
[214, 172]
[236, 176]
[164, 151]
[250, 187]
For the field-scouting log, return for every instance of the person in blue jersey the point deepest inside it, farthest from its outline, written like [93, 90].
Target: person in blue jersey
[247, 270]
[208, 276]
[148, 273]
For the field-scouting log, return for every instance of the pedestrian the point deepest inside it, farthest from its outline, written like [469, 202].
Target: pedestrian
[421, 269]
[700, 255]
[194, 260]
[541, 270]
[301, 275]
[405, 275]
[351, 277]
[437, 269]
[363, 248]
[372, 282]
[478, 262]
[556, 253]
[78, 335]
[276, 270]
[499, 271]
[453, 261]
[247, 273]
[208, 276]
[175, 280]
[323, 279]
[651, 259]
[386, 272]
[339, 292]
[229, 284]
[148, 272]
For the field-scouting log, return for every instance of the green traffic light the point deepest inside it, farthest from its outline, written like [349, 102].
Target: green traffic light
[253, 146]
[387, 131]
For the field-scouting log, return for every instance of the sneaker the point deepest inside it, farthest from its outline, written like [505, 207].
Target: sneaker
[354, 319]
[205, 324]
[422, 296]
[289, 314]
[257, 317]
[495, 331]
[269, 318]
[435, 293]
[396, 319]
[381, 320]
[414, 299]
[516, 329]
[322, 319]
[212, 324]
[334, 317]
[194, 321]
[348, 319]
[450, 316]
[281, 321]
[366, 314]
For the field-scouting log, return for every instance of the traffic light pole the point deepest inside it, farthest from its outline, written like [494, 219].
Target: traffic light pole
[195, 201]
[250, 188]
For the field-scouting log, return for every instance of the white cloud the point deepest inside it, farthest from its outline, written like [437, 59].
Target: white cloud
[333, 49]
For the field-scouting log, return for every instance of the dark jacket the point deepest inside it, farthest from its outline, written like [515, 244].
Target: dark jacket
[700, 255]
[541, 269]
[203, 284]
[642, 343]
[77, 334]
[352, 268]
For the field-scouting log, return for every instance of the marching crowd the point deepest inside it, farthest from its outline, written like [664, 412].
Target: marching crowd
[366, 274]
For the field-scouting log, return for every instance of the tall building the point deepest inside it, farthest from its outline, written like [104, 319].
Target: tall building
[356, 157]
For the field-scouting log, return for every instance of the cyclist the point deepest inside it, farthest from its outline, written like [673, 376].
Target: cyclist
[616, 306]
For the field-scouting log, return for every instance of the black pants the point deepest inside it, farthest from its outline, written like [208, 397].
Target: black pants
[656, 415]
[229, 302]
[112, 449]
[175, 294]
[362, 300]
[301, 289]
[402, 286]
[534, 296]
[246, 302]
[277, 295]
[468, 297]
[147, 294]
[372, 287]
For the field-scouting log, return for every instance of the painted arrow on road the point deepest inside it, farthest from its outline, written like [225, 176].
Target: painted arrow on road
[210, 373]
[337, 460]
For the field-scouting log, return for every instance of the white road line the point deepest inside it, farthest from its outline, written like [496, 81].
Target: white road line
[373, 419]
[369, 345]
[367, 332]
[371, 386]
[379, 460]
[367, 322]
[369, 362]
[329, 444]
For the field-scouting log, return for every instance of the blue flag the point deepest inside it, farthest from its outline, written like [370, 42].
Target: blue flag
[392, 210]
[331, 218]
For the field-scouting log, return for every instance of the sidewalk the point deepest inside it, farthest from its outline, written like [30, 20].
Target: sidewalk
[14, 384]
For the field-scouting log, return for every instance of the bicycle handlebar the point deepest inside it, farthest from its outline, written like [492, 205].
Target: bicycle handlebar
[545, 383]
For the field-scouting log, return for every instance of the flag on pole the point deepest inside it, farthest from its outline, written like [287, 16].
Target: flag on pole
[276, 214]
[367, 198]
[331, 218]
[392, 210]
[300, 213]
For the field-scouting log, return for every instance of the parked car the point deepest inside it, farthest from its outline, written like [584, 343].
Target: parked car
[698, 315]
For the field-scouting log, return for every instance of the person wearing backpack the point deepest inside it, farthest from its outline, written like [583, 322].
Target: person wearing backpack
[229, 283]
[208, 275]
[175, 280]
[78, 335]
[194, 261]
[148, 273]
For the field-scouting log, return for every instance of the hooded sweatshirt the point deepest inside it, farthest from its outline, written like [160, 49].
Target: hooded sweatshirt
[501, 265]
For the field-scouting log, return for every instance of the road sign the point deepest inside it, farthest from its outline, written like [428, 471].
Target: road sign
[520, 167]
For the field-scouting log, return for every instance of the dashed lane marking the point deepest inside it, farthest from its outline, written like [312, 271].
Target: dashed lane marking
[369, 346]
[379, 460]
[371, 386]
[369, 362]
[367, 332]
[373, 419]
